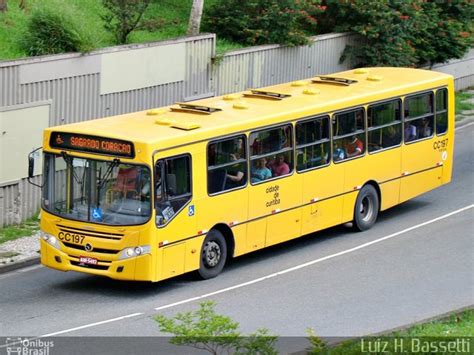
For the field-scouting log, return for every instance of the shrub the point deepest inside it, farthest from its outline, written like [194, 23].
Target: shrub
[401, 33]
[51, 31]
[254, 22]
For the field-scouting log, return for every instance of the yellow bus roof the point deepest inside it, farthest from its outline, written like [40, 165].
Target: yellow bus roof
[164, 128]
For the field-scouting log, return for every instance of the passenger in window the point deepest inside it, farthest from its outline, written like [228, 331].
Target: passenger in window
[260, 172]
[410, 132]
[279, 166]
[339, 152]
[390, 137]
[354, 147]
[425, 129]
[234, 175]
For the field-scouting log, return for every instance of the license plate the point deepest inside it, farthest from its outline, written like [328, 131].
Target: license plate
[87, 260]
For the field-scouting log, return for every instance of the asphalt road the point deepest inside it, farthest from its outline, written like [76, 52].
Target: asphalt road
[337, 282]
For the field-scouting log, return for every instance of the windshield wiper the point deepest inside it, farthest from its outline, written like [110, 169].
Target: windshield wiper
[108, 172]
[68, 161]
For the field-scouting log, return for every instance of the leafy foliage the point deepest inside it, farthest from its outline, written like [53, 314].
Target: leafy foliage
[318, 346]
[204, 329]
[402, 33]
[50, 31]
[123, 16]
[255, 22]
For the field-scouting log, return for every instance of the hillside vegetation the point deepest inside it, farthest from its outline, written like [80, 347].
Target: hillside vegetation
[163, 19]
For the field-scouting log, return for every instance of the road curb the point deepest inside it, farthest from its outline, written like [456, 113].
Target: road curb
[19, 264]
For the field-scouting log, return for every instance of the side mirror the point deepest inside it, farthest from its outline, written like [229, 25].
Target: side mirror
[31, 166]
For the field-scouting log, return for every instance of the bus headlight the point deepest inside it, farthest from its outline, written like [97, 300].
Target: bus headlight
[51, 240]
[134, 251]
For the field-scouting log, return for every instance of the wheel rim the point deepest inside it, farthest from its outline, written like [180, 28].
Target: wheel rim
[366, 209]
[212, 254]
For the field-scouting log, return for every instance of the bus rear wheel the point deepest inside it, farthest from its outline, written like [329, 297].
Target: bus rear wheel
[213, 255]
[366, 208]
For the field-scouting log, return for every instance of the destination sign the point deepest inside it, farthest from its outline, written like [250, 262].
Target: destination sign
[92, 144]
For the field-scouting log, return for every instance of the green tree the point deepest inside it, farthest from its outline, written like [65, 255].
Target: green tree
[255, 22]
[401, 33]
[204, 329]
[123, 16]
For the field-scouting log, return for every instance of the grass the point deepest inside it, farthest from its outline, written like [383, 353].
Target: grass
[455, 326]
[163, 19]
[462, 103]
[25, 229]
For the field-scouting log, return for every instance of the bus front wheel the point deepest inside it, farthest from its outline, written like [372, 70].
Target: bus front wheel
[366, 208]
[213, 255]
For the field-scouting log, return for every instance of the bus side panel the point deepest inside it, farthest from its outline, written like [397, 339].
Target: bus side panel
[320, 188]
[356, 173]
[385, 167]
[283, 207]
[256, 231]
[240, 239]
[173, 260]
[420, 169]
[445, 143]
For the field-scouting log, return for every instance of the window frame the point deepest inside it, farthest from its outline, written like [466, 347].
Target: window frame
[191, 193]
[411, 119]
[318, 142]
[373, 128]
[364, 131]
[446, 110]
[215, 167]
[280, 151]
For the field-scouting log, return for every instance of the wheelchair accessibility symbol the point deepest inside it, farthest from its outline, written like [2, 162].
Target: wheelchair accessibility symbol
[191, 211]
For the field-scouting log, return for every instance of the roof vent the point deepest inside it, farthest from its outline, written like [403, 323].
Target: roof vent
[374, 78]
[192, 108]
[231, 97]
[361, 71]
[333, 80]
[156, 111]
[270, 95]
[299, 83]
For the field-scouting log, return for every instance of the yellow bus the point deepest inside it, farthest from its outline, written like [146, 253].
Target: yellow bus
[158, 193]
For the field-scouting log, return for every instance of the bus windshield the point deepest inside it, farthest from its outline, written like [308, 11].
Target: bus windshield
[107, 192]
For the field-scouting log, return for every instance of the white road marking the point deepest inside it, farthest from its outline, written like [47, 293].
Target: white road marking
[312, 262]
[466, 125]
[90, 325]
[74, 329]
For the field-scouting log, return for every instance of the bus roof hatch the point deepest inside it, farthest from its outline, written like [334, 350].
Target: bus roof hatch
[333, 80]
[270, 95]
[193, 108]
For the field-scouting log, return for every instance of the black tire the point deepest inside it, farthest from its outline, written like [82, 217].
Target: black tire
[366, 208]
[213, 255]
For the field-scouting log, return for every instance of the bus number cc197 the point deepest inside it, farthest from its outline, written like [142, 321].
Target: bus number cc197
[72, 238]
[440, 145]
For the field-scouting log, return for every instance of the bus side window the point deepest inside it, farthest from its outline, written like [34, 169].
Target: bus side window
[274, 156]
[226, 164]
[419, 117]
[173, 187]
[441, 111]
[348, 134]
[312, 143]
[385, 125]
